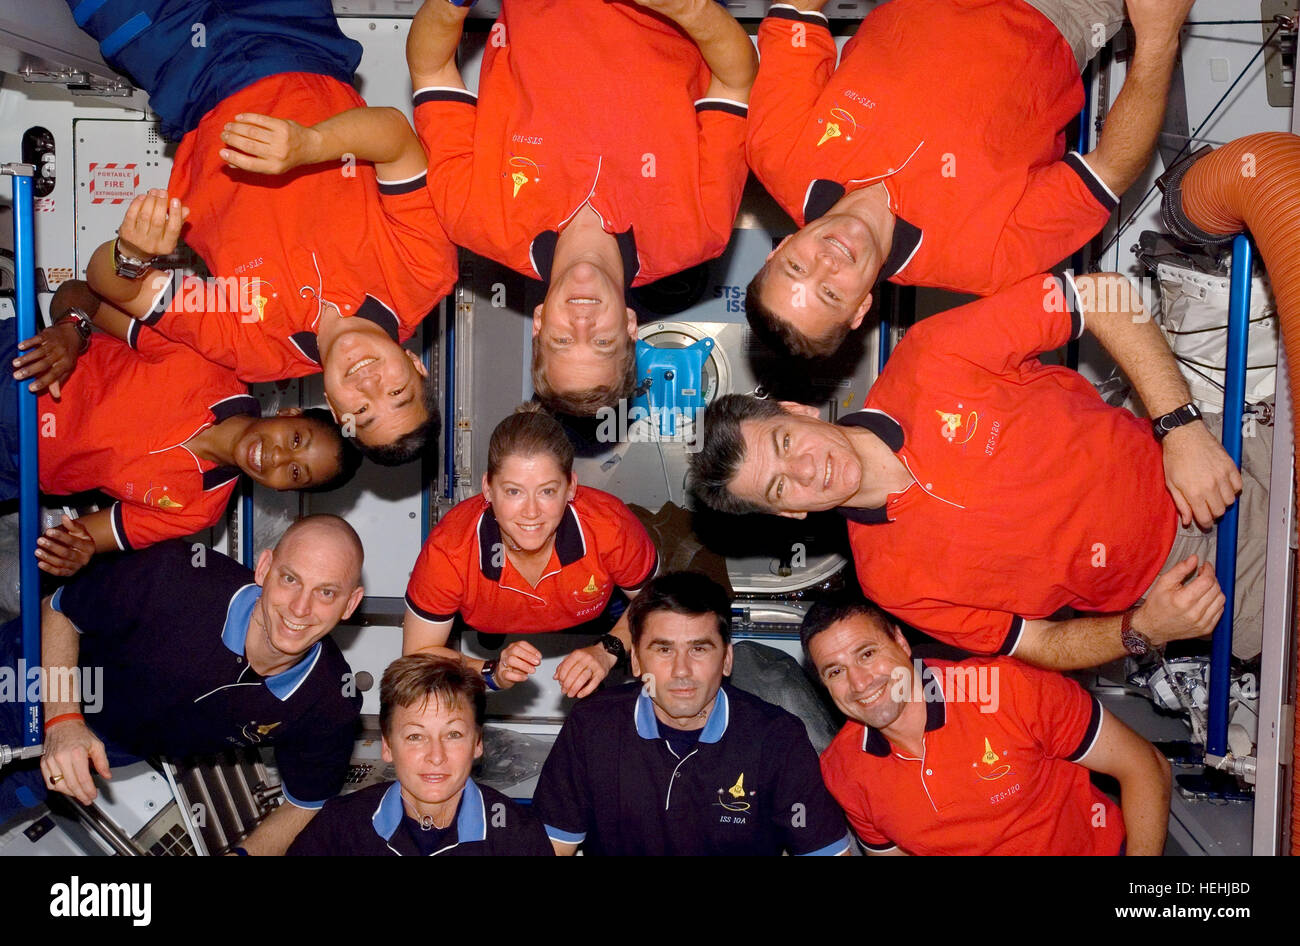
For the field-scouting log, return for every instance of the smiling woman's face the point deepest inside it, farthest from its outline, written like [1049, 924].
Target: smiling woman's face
[432, 745]
[528, 496]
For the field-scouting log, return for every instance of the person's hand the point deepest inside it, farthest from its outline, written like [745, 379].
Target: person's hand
[1157, 20]
[152, 225]
[267, 145]
[70, 749]
[1175, 611]
[516, 664]
[50, 359]
[581, 672]
[1199, 474]
[64, 549]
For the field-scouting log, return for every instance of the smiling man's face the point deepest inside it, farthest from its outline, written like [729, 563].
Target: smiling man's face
[795, 464]
[582, 330]
[375, 382]
[819, 279]
[310, 582]
[866, 667]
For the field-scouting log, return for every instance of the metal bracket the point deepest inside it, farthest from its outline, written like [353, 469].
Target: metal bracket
[1279, 58]
[78, 82]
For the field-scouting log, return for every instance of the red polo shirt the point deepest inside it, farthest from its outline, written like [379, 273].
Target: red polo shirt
[1031, 493]
[463, 568]
[933, 99]
[121, 425]
[284, 245]
[585, 101]
[999, 772]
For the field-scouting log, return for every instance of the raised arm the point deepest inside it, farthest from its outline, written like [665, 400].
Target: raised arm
[1126, 142]
[1200, 475]
[723, 43]
[431, 45]
[151, 228]
[1144, 781]
[1172, 611]
[796, 62]
[267, 145]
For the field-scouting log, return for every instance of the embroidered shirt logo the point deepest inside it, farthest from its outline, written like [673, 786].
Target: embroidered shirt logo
[953, 423]
[843, 126]
[592, 592]
[258, 295]
[161, 499]
[990, 758]
[528, 171]
[256, 732]
[734, 798]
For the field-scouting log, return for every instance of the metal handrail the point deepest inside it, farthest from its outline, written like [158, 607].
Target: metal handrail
[29, 498]
[1225, 568]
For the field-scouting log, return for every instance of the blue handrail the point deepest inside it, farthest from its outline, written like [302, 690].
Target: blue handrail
[29, 498]
[1234, 396]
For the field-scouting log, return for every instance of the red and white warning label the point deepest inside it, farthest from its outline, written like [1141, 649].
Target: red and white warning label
[113, 183]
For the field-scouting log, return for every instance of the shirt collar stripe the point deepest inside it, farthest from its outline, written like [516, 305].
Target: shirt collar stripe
[471, 814]
[234, 635]
[936, 715]
[715, 727]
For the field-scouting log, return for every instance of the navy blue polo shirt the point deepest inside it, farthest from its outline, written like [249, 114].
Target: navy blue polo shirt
[373, 822]
[156, 44]
[168, 626]
[750, 786]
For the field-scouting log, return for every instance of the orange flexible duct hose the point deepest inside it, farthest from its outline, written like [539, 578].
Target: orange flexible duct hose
[1253, 184]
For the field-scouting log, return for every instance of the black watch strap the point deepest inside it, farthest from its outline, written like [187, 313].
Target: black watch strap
[614, 646]
[1162, 425]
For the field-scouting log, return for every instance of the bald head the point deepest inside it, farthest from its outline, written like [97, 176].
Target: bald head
[329, 537]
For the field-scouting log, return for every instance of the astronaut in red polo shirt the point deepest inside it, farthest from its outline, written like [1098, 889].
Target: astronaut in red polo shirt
[326, 269]
[985, 490]
[933, 154]
[162, 430]
[535, 552]
[604, 149]
[977, 757]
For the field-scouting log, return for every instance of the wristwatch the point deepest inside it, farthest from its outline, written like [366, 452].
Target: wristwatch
[1165, 423]
[128, 267]
[1134, 641]
[83, 323]
[614, 646]
[489, 670]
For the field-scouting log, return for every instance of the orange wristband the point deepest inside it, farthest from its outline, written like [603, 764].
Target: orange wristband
[61, 717]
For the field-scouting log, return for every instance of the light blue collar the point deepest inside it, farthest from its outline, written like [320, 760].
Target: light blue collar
[239, 616]
[471, 817]
[715, 727]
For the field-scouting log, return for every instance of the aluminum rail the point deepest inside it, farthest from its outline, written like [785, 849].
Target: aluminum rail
[1234, 396]
[28, 495]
